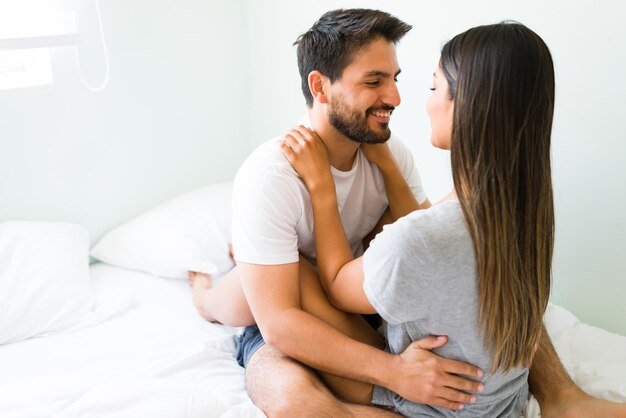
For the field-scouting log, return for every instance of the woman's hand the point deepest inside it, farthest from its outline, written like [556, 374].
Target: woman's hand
[307, 154]
[378, 154]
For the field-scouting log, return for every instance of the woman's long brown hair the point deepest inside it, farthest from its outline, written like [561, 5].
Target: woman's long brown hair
[501, 78]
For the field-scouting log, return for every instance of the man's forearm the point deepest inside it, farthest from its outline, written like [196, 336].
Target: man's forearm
[320, 346]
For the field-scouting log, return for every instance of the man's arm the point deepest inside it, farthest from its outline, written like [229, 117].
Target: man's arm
[417, 374]
[274, 297]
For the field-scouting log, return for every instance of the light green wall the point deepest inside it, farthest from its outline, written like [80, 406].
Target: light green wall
[172, 118]
[196, 84]
[589, 142]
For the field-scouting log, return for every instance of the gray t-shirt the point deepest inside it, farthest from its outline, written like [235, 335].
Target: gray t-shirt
[420, 275]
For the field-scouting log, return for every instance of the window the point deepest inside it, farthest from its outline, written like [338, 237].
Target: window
[25, 68]
[24, 38]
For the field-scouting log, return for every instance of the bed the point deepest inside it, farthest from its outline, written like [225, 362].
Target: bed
[120, 337]
[142, 352]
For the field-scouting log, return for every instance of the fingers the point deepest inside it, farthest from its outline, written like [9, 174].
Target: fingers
[303, 133]
[430, 342]
[297, 138]
[450, 366]
[290, 141]
[452, 398]
[306, 133]
[287, 150]
[459, 367]
[449, 391]
[460, 383]
[457, 396]
[444, 403]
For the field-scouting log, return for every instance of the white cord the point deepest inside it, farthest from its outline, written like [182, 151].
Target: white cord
[106, 57]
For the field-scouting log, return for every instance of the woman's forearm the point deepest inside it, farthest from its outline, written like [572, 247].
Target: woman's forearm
[401, 198]
[331, 245]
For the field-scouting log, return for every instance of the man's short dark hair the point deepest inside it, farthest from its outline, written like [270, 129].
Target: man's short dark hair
[331, 43]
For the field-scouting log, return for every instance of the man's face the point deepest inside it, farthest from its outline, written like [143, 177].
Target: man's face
[362, 100]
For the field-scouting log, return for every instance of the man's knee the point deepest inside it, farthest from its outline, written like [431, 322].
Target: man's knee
[272, 376]
[282, 387]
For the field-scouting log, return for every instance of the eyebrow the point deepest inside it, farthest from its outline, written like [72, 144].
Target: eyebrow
[377, 73]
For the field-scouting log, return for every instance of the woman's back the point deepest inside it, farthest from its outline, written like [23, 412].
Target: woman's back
[420, 275]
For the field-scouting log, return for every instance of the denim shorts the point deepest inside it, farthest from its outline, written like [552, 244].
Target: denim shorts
[250, 341]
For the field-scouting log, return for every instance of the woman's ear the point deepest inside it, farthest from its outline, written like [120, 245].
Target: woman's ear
[317, 86]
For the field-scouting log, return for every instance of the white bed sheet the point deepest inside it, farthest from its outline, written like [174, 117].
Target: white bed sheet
[145, 352]
[594, 358]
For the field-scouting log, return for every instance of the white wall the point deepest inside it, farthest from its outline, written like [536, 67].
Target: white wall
[196, 84]
[589, 142]
[172, 118]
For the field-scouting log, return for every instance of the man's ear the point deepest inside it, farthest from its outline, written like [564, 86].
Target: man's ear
[318, 83]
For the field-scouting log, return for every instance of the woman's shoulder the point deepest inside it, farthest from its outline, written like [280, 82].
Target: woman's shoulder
[436, 228]
[446, 215]
[426, 228]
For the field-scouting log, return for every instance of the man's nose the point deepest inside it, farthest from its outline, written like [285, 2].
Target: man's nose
[392, 95]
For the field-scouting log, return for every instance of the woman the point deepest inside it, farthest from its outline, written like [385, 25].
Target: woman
[476, 267]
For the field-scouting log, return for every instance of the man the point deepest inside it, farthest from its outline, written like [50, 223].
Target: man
[348, 67]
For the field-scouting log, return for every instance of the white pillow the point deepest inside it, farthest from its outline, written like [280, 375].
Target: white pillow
[44, 278]
[189, 232]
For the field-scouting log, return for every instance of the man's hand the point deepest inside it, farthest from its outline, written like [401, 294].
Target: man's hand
[426, 378]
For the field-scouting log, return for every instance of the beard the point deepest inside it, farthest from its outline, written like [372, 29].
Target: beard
[353, 124]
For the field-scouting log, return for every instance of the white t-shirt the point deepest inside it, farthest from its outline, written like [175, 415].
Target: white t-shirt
[272, 212]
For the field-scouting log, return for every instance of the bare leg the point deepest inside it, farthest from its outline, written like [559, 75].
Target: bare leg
[282, 387]
[293, 383]
[558, 395]
[225, 303]
[314, 301]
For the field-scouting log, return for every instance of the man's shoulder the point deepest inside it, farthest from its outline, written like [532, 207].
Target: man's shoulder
[267, 153]
[267, 160]
[267, 174]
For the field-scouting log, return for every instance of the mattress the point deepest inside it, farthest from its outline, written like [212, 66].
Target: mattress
[145, 352]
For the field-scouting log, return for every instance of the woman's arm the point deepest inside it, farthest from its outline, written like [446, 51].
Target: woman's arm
[401, 198]
[340, 274]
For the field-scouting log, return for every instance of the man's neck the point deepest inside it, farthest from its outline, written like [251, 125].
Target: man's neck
[341, 150]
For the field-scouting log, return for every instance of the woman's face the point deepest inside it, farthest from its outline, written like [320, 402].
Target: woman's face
[440, 109]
